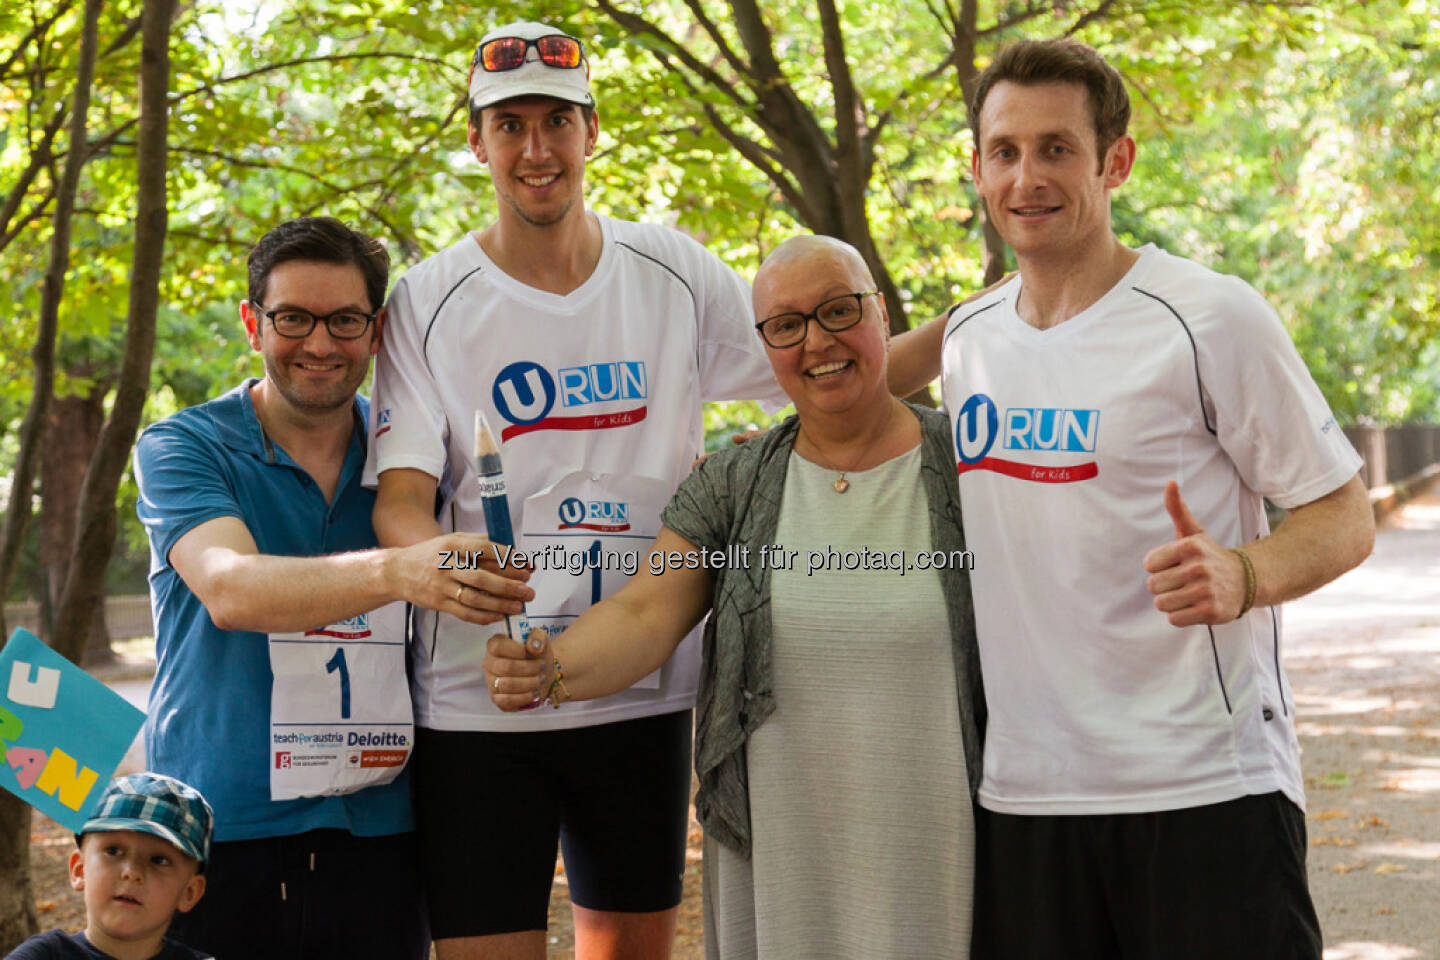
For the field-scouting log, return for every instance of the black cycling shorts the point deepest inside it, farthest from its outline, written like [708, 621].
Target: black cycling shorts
[491, 807]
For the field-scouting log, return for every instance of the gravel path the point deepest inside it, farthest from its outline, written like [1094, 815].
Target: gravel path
[1363, 656]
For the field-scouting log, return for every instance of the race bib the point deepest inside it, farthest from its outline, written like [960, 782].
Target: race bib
[340, 717]
[585, 536]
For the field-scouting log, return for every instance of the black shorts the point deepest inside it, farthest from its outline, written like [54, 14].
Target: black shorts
[1223, 880]
[492, 806]
[322, 895]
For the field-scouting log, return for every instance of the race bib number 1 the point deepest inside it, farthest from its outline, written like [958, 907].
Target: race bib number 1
[585, 536]
[340, 716]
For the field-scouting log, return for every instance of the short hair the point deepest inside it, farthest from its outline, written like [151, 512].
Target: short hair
[1061, 60]
[322, 240]
[808, 245]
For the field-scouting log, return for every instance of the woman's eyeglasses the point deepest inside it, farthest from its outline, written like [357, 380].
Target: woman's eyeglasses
[836, 314]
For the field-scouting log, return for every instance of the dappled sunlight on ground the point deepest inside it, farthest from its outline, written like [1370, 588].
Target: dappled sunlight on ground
[1378, 647]
[1363, 599]
[1307, 730]
[1377, 608]
[1402, 851]
[1371, 951]
[1348, 702]
[1416, 516]
[1414, 780]
[1363, 657]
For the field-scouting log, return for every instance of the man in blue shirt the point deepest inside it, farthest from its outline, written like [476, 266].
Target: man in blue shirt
[280, 687]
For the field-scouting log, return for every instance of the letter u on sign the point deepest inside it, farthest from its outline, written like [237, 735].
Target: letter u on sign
[39, 692]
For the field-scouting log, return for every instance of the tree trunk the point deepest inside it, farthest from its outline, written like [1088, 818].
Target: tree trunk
[32, 430]
[95, 525]
[75, 423]
[17, 897]
[829, 177]
[97, 652]
[963, 36]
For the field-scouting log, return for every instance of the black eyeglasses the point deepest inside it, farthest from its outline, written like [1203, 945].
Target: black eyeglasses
[297, 324]
[836, 314]
[508, 53]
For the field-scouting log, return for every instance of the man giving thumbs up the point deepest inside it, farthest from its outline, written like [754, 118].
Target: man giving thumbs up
[1142, 794]
[1197, 581]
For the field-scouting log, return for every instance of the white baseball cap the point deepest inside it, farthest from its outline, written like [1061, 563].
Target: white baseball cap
[534, 77]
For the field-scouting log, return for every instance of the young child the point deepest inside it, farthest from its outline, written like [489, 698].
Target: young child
[141, 857]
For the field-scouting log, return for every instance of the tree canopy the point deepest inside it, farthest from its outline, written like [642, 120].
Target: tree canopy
[1292, 145]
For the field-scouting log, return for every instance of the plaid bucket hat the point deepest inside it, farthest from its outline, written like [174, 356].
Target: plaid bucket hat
[158, 805]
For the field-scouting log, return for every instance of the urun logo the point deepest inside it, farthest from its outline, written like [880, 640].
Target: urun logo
[978, 425]
[605, 516]
[525, 392]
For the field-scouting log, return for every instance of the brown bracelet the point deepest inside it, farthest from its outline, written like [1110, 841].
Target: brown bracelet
[1249, 581]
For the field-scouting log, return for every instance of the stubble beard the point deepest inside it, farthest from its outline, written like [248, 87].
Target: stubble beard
[539, 221]
[341, 394]
[533, 219]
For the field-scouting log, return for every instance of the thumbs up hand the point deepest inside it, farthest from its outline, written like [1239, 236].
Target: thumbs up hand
[1193, 578]
[1185, 523]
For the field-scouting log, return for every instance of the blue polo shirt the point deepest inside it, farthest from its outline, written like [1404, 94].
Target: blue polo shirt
[209, 717]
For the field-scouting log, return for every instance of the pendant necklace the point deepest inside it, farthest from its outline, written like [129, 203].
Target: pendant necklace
[841, 484]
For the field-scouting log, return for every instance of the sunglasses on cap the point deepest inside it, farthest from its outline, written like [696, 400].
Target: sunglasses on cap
[509, 53]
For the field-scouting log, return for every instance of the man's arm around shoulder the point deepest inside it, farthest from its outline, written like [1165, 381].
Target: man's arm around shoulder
[915, 354]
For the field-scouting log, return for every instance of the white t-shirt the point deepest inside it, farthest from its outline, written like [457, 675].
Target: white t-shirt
[595, 397]
[1065, 439]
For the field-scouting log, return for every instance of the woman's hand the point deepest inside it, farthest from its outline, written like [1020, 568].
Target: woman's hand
[519, 675]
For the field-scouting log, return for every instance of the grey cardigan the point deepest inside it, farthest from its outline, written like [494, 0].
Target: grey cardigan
[734, 497]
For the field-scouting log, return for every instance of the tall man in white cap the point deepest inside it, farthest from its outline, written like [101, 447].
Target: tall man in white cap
[589, 345]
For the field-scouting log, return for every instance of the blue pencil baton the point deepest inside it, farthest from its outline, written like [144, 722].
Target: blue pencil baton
[491, 475]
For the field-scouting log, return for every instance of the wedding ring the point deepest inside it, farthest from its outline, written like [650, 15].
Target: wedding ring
[459, 591]
[497, 684]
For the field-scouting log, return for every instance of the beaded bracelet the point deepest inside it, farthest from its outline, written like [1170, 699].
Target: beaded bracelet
[556, 683]
[1249, 581]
